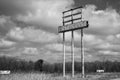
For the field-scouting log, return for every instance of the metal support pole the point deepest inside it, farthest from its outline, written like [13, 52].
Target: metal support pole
[72, 45]
[82, 55]
[63, 54]
[72, 51]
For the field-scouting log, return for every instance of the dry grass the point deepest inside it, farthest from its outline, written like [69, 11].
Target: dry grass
[42, 76]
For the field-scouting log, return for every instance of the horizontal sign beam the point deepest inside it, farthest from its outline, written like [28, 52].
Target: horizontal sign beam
[73, 9]
[72, 14]
[72, 20]
[74, 26]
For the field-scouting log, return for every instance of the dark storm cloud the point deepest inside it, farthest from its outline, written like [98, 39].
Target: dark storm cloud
[101, 4]
[8, 10]
[5, 24]
[13, 7]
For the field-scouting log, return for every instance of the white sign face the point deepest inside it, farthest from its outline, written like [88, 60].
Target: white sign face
[74, 26]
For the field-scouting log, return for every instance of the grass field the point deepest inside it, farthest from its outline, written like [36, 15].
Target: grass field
[42, 76]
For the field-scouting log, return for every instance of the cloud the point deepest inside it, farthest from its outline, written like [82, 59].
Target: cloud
[101, 4]
[6, 46]
[31, 34]
[108, 52]
[30, 51]
[15, 33]
[102, 36]
[102, 20]
[59, 47]
[47, 13]
[14, 7]
[6, 24]
[6, 43]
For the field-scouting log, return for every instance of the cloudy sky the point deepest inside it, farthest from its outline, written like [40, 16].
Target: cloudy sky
[28, 29]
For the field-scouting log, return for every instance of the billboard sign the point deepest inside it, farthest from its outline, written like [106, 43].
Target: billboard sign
[74, 26]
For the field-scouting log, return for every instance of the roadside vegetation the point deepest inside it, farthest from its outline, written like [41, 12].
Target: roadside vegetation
[18, 65]
[42, 70]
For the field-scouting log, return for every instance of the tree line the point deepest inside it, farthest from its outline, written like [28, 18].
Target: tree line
[19, 65]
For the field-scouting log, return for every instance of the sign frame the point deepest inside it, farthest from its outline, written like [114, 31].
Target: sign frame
[72, 27]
